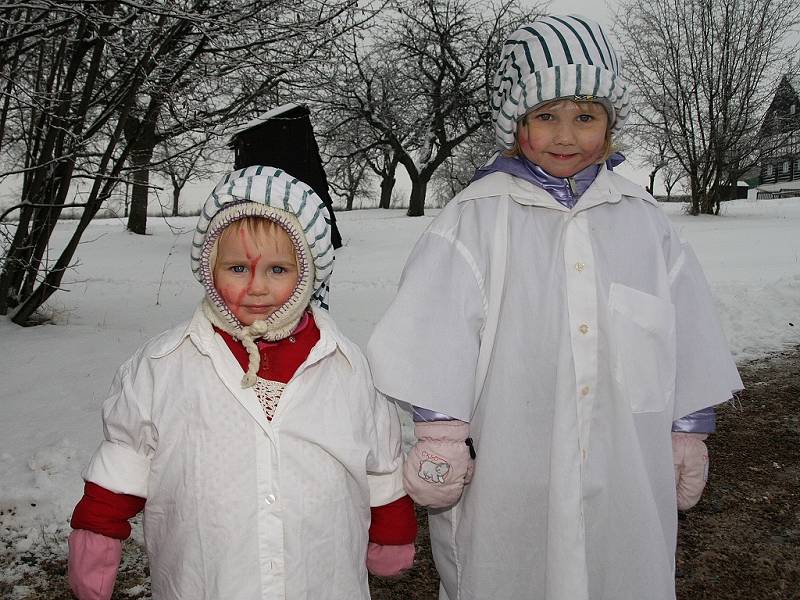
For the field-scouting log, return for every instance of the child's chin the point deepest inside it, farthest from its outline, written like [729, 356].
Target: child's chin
[249, 319]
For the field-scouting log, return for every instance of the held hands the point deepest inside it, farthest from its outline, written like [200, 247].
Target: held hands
[439, 465]
[93, 563]
[690, 458]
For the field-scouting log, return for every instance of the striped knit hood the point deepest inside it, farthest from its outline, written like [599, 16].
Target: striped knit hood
[268, 193]
[552, 58]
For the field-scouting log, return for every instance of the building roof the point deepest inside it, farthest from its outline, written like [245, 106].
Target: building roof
[263, 117]
[794, 81]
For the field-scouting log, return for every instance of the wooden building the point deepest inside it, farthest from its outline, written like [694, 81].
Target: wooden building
[284, 138]
[780, 133]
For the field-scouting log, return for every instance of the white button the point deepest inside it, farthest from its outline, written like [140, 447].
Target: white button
[579, 266]
[585, 390]
[584, 328]
[270, 499]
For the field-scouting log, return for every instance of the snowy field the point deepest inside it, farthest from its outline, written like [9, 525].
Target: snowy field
[124, 289]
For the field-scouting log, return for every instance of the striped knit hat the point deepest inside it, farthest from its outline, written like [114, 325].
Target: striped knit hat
[269, 193]
[551, 58]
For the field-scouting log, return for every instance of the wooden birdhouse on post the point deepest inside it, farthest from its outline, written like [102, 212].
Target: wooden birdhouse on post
[284, 138]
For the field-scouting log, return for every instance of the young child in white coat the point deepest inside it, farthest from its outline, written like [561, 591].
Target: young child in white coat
[252, 435]
[549, 328]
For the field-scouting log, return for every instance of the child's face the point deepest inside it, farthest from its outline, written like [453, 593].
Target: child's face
[255, 271]
[564, 137]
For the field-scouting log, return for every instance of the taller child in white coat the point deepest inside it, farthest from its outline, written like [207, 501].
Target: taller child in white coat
[252, 435]
[551, 330]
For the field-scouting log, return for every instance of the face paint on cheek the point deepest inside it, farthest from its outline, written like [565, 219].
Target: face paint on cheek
[233, 297]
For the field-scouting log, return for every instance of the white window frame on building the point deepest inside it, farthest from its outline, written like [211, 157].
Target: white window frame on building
[785, 166]
[770, 170]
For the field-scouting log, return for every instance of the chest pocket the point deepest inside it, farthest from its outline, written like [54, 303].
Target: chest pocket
[643, 331]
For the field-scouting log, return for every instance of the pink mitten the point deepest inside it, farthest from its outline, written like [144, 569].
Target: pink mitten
[690, 458]
[389, 561]
[438, 466]
[93, 563]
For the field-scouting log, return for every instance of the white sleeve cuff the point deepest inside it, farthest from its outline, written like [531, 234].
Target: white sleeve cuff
[385, 488]
[119, 469]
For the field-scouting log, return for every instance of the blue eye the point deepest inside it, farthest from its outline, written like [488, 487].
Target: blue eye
[585, 118]
[278, 270]
[237, 269]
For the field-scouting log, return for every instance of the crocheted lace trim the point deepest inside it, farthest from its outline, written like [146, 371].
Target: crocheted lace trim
[268, 393]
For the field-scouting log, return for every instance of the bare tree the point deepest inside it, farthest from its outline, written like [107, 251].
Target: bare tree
[671, 175]
[383, 163]
[457, 171]
[705, 70]
[345, 148]
[348, 179]
[183, 160]
[421, 81]
[89, 90]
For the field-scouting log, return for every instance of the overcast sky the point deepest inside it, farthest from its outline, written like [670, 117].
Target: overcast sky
[601, 11]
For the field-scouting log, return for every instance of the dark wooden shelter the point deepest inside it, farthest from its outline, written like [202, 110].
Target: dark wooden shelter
[284, 138]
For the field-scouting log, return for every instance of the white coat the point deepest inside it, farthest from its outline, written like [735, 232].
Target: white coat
[570, 340]
[239, 507]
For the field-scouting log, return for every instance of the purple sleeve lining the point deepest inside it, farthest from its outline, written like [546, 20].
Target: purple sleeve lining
[701, 421]
[423, 415]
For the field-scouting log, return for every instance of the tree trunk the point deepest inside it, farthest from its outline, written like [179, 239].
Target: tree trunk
[694, 190]
[387, 187]
[137, 217]
[141, 136]
[14, 264]
[416, 203]
[652, 181]
[387, 182]
[176, 196]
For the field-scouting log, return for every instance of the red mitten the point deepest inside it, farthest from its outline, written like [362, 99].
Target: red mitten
[439, 465]
[93, 563]
[389, 561]
[690, 458]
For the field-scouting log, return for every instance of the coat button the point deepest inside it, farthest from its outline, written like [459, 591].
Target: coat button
[584, 328]
[579, 266]
[270, 499]
[585, 390]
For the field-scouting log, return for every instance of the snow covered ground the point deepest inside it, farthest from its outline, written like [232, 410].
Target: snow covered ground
[126, 288]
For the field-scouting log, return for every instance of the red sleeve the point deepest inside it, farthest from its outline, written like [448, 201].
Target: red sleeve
[394, 524]
[105, 512]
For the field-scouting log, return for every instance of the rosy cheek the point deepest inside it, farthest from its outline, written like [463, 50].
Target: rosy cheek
[524, 140]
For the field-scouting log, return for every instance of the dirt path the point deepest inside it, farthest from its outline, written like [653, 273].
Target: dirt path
[742, 541]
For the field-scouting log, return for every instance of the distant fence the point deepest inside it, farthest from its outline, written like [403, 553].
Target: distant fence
[674, 198]
[777, 194]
